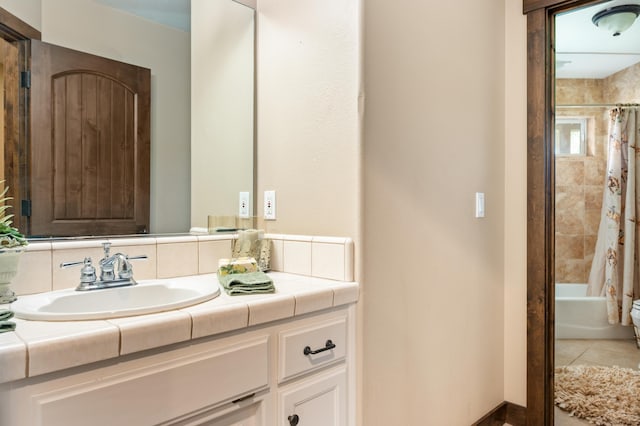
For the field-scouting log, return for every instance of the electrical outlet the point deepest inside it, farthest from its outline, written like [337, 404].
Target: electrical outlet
[270, 205]
[244, 205]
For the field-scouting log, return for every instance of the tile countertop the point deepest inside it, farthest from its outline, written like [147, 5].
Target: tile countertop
[40, 347]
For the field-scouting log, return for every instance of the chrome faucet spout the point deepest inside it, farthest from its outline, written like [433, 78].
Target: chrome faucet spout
[124, 269]
[115, 271]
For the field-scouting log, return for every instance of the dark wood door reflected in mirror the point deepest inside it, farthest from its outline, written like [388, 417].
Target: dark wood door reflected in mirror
[90, 144]
[77, 143]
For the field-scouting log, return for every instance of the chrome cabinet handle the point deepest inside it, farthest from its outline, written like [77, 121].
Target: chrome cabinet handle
[327, 346]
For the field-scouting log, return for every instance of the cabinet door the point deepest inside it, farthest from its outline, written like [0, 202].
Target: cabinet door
[319, 400]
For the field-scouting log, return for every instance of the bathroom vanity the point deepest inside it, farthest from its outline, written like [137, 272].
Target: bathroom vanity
[260, 372]
[267, 359]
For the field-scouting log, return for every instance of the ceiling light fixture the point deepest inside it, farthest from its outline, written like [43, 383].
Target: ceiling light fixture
[617, 19]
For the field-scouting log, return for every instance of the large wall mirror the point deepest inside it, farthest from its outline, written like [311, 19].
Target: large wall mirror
[200, 54]
[577, 73]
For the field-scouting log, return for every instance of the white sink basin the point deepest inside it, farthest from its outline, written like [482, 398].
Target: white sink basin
[144, 298]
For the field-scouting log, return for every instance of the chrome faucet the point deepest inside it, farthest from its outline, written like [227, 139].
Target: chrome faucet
[110, 276]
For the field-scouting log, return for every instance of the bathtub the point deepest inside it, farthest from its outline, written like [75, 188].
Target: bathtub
[582, 317]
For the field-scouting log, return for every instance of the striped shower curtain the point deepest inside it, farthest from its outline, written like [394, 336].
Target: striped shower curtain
[614, 271]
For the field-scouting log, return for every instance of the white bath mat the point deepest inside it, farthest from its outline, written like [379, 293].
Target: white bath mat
[601, 395]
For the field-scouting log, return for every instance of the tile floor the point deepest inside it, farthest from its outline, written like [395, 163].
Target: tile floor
[622, 353]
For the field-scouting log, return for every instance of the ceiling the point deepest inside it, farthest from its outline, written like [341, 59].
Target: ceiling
[586, 51]
[174, 13]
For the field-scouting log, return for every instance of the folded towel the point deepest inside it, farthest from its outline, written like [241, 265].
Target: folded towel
[5, 314]
[246, 283]
[7, 326]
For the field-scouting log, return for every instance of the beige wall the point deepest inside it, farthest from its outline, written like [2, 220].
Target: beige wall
[27, 10]
[443, 344]
[434, 309]
[94, 28]
[308, 131]
[515, 205]
[308, 120]
[222, 55]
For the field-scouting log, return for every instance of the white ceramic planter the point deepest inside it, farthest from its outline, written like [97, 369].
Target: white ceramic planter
[9, 260]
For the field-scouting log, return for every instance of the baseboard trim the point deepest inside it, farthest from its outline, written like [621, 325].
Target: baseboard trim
[506, 412]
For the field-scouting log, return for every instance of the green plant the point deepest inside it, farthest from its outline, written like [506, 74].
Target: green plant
[9, 236]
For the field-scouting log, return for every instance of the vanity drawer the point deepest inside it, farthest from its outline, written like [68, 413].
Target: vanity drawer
[311, 347]
[161, 388]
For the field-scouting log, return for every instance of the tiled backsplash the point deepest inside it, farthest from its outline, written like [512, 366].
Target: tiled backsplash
[167, 257]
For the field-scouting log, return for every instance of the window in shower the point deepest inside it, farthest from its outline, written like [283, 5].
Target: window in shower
[571, 136]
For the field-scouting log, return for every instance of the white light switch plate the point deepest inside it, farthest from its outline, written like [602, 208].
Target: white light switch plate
[479, 204]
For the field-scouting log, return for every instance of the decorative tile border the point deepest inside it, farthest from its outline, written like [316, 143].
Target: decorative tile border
[322, 257]
[175, 256]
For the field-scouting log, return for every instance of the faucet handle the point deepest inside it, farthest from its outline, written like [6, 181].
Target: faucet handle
[142, 256]
[87, 273]
[64, 265]
[106, 246]
[126, 270]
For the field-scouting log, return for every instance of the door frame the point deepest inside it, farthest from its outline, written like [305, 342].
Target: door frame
[18, 32]
[541, 205]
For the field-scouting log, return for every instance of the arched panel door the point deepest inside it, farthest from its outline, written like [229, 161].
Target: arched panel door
[90, 144]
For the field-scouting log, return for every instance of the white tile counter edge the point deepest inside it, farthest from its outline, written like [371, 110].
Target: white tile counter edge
[40, 347]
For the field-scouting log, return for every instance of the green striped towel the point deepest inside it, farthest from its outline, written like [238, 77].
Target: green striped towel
[246, 283]
[5, 324]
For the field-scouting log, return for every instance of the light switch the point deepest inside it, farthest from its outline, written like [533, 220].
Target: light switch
[479, 204]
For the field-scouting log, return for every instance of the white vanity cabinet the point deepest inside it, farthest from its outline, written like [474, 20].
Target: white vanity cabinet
[320, 398]
[257, 376]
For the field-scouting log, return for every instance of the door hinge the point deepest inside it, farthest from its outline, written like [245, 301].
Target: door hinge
[26, 208]
[25, 79]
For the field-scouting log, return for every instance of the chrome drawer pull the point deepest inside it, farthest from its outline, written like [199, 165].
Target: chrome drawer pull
[327, 346]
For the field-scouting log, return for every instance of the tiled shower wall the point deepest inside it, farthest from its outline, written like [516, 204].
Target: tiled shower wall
[580, 180]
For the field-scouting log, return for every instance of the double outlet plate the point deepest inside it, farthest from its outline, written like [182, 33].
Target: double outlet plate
[244, 206]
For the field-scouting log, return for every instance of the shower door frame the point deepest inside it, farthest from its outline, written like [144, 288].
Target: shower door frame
[541, 204]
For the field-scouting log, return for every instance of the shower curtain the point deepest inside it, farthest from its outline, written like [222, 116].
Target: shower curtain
[614, 271]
